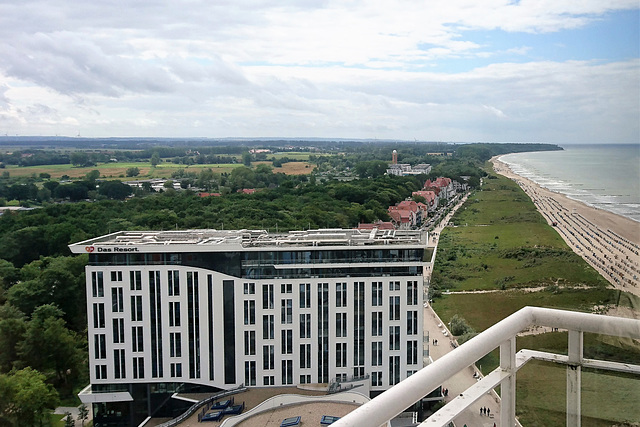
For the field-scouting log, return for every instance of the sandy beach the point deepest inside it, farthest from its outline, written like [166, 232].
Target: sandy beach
[608, 242]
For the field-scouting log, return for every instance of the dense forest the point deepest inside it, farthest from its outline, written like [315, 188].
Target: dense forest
[43, 348]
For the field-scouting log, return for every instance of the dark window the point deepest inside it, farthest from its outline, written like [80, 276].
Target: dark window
[135, 280]
[97, 284]
[155, 317]
[323, 332]
[100, 346]
[173, 277]
[117, 300]
[137, 339]
[229, 331]
[210, 313]
[98, 315]
[193, 316]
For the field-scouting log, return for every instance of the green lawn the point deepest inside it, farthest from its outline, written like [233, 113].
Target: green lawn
[607, 399]
[500, 242]
[117, 170]
[484, 310]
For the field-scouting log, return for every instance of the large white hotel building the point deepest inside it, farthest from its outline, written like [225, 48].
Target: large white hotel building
[212, 310]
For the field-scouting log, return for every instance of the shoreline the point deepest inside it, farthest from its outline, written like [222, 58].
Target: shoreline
[575, 199]
[607, 241]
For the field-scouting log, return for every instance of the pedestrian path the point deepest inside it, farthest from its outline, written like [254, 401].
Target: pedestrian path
[464, 379]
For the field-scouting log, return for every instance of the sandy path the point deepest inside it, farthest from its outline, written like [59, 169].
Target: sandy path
[608, 242]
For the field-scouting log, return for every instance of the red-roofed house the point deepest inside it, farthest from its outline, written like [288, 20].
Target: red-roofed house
[430, 197]
[408, 214]
[247, 190]
[402, 218]
[443, 187]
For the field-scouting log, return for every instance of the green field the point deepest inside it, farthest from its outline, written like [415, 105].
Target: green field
[501, 243]
[484, 310]
[116, 169]
[607, 399]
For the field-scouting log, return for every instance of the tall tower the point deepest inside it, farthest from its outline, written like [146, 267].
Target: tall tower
[394, 157]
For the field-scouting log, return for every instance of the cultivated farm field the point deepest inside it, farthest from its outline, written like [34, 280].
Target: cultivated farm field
[118, 170]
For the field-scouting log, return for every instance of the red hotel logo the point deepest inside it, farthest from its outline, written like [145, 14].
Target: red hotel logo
[89, 249]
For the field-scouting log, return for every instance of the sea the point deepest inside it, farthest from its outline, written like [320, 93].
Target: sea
[606, 176]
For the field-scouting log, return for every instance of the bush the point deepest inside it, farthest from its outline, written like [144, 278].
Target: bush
[466, 337]
[459, 326]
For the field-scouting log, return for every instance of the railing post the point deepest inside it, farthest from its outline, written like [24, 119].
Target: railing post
[574, 379]
[508, 385]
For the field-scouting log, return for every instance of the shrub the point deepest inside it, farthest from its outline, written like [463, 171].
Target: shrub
[459, 326]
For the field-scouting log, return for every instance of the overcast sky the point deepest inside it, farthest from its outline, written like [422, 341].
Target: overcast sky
[557, 71]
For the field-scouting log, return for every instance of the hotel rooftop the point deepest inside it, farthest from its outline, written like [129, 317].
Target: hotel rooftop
[258, 238]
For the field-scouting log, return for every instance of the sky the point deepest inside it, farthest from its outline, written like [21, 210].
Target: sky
[558, 71]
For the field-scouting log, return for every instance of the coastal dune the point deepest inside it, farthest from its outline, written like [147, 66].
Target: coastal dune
[608, 242]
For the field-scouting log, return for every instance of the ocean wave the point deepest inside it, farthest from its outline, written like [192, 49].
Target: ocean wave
[612, 185]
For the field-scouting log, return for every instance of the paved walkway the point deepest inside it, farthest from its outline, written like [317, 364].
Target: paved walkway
[464, 379]
[74, 413]
[460, 381]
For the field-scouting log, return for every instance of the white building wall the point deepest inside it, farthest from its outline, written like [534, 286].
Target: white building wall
[218, 330]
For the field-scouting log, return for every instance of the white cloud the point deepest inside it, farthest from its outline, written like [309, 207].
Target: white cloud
[305, 68]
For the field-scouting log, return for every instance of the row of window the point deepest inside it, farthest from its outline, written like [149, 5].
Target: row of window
[119, 365]
[136, 311]
[342, 325]
[268, 351]
[268, 328]
[173, 283]
[340, 291]
[286, 313]
[234, 260]
[331, 256]
[135, 282]
[120, 372]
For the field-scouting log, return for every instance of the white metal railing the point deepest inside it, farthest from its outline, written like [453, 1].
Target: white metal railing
[395, 400]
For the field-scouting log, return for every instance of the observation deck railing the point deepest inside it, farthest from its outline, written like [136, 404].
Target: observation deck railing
[392, 402]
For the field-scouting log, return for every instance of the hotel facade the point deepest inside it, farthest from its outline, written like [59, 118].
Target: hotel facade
[212, 310]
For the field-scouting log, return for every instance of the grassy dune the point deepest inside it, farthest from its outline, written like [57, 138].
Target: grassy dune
[502, 244]
[500, 241]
